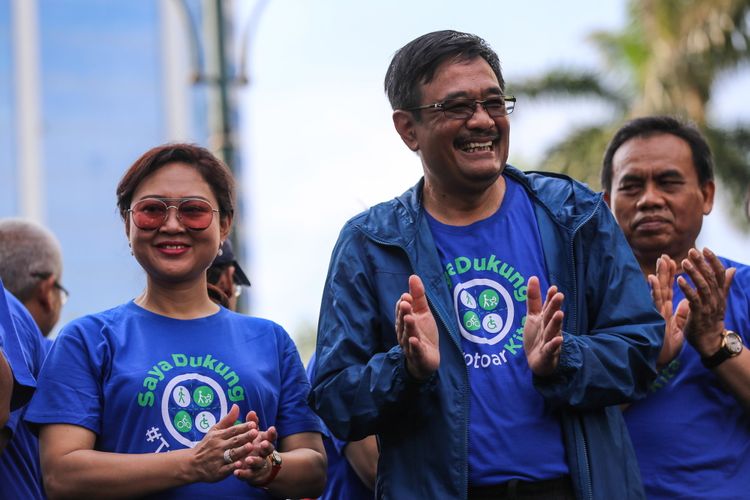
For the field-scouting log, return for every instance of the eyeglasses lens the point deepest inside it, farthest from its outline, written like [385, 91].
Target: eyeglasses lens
[150, 214]
[195, 214]
[463, 109]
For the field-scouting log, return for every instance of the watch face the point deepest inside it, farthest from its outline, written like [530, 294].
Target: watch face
[275, 457]
[733, 343]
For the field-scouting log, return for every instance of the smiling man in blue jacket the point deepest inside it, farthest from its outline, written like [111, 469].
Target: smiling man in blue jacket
[484, 324]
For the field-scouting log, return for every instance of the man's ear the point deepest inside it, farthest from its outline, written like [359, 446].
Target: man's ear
[708, 189]
[44, 293]
[406, 127]
[607, 199]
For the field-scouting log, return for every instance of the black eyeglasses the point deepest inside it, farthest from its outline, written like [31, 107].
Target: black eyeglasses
[64, 294]
[463, 109]
[193, 213]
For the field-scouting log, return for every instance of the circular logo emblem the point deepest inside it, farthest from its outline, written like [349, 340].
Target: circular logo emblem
[191, 405]
[484, 309]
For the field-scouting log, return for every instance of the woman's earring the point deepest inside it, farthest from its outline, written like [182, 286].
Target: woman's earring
[220, 252]
[131, 248]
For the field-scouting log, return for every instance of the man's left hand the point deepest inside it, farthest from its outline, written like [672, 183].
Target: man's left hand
[542, 332]
[708, 300]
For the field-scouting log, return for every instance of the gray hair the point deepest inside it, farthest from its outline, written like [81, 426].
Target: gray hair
[27, 248]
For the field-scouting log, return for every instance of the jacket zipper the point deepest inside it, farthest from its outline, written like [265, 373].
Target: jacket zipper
[464, 394]
[455, 343]
[574, 321]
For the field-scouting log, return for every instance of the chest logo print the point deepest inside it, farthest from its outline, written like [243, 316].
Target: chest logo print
[485, 311]
[190, 406]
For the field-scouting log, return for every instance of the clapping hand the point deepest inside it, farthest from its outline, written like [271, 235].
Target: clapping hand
[704, 326]
[662, 295]
[223, 447]
[254, 467]
[542, 331]
[417, 331]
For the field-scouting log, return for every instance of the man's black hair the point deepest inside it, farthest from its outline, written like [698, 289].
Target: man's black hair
[416, 62]
[651, 125]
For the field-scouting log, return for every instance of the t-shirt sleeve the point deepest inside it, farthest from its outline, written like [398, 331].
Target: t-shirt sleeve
[12, 349]
[69, 389]
[294, 414]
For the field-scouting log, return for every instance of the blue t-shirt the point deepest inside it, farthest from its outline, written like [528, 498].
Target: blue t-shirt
[20, 472]
[691, 436]
[343, 482]
[146, 383]
[512, 435]
[14, 320]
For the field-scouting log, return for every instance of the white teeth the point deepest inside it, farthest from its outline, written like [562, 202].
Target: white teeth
[173, 247]
[477, 146]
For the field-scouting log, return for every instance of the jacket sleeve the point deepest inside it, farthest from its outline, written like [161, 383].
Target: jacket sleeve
[361, 384]
[612, 332]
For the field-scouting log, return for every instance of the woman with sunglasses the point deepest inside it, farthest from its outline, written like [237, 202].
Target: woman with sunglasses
[169, 394]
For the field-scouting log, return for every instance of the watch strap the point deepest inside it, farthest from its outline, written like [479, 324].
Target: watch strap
[716, 359]
[275, 468]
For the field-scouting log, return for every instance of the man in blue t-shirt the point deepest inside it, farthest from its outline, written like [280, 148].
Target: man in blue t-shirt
[17, 377]
[514, 329]
[21, 343]
[692, 433]
[31, 269]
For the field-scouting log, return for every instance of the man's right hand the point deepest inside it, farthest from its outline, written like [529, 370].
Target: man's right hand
[662, 295]
[417, 331]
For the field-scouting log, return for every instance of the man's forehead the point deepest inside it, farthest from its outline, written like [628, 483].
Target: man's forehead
[453, 74]
[653, 155]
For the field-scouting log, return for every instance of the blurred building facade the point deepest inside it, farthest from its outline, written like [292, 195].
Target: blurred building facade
[86, 87]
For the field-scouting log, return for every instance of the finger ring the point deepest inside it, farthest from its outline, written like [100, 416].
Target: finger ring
[228, 456]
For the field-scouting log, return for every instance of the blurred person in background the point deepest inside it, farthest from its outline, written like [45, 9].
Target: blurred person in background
[692, 433]
[352, 465]
[223, 393]
[31, 268]
[226, 278]
[21, 356]
[17, 378]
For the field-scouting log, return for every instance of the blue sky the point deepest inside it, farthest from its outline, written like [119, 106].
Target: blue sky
[317, 132]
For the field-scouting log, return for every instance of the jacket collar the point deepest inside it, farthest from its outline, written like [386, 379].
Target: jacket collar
[566, 201]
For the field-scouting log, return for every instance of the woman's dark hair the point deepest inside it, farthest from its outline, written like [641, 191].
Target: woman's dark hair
[213, 170]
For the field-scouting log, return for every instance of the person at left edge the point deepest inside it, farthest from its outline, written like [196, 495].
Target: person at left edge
[20, 343]
[17, 373]
[224, 394]
[20, 472]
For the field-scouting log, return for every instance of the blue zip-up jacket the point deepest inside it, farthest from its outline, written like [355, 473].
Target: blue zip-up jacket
[611, 339]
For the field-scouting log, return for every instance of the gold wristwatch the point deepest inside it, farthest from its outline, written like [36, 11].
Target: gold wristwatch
[731, 346]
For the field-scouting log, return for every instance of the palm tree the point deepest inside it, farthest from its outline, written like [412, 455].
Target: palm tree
[665, 61]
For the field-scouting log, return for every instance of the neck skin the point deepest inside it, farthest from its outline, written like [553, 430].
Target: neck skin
[647, 261]
[178, 300]
[463, 208]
